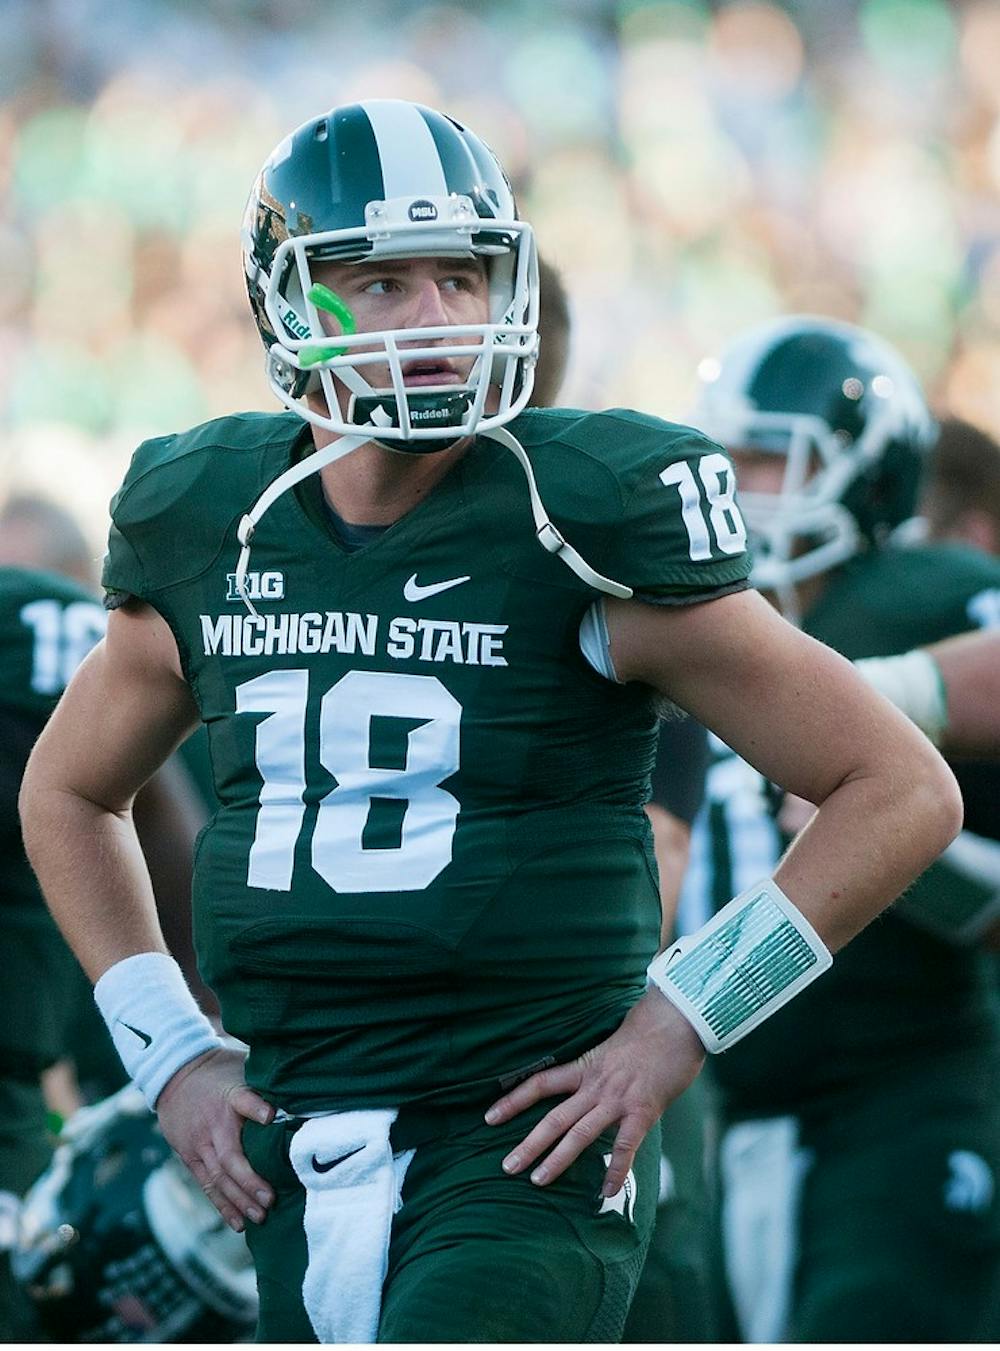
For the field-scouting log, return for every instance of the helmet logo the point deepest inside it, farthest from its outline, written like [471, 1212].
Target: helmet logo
[422, 210]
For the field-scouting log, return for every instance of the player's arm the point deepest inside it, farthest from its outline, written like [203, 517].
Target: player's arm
[796, 711]
[123, 713]
[801, 715]
[951, 690]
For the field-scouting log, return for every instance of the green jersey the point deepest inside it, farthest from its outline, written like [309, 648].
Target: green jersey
[48, 624]
[430, 870]
[897, 991]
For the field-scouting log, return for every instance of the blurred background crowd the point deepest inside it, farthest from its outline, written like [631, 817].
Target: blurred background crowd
[691, 167]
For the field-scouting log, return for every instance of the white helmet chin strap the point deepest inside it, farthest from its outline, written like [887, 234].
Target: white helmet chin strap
[335, 450]
[548, 536]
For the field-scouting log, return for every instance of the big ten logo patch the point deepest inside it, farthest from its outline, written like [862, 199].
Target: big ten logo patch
[259, 586]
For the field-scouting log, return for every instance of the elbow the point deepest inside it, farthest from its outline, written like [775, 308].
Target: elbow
[938, 803]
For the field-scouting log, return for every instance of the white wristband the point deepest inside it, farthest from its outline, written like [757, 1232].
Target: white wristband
[153, 1019]
[913, 683]
[755, 955]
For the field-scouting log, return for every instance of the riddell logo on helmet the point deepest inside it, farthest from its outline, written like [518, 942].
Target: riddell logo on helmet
[423, 211]
[419, 416]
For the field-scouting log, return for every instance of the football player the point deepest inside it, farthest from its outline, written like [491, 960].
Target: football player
[863, 1138]
[427, 630]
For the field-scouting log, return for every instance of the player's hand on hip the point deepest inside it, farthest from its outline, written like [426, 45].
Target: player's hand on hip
[201, 1111]
[628, 1079]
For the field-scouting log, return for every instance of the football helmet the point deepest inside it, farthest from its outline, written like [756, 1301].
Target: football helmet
[388, 179]
[848, 416]
[117, 1242]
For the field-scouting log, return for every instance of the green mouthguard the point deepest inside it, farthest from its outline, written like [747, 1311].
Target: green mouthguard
[325, 299]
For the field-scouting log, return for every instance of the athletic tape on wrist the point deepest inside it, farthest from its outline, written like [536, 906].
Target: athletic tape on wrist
[912, 682]
[153, 1019]
[751, 958]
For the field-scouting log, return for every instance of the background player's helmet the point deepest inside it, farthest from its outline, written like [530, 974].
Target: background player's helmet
[848, 415]
[388, 179]
[118, 1243]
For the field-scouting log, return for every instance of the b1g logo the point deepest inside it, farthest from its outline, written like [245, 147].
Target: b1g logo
[422, 211]
[259, 586]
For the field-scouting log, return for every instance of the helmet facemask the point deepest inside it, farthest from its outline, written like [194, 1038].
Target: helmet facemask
[316, 348]
[802, 529]
[847, 418]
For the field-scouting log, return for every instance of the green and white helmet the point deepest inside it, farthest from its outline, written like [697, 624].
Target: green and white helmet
[378, 180]
[846, 412]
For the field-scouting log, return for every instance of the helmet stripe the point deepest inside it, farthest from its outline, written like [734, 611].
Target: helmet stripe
[411, 165]
[457, 157]
[352, 162]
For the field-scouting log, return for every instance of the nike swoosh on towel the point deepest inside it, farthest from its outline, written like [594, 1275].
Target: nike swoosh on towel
[332, 1163]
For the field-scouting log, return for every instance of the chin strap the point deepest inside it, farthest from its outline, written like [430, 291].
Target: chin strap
[335, 450]
[548, 536]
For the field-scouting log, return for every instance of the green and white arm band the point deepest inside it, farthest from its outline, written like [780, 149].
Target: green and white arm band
[913, 683]
[751, 958]
[153, 1019]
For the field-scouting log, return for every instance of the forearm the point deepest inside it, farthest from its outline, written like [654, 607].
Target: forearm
[93, 875]
[852, 859]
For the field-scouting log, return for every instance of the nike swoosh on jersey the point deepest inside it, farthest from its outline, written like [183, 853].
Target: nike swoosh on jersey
[332, 1163]
[412, 590]
[144, 1037]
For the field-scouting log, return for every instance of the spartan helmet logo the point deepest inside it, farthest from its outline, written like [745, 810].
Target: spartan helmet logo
[623, 1201]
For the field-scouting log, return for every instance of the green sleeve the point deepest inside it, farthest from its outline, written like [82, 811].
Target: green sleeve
[122, 575]
[681, 537]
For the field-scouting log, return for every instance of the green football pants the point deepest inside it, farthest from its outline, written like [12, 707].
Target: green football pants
[474, 1255]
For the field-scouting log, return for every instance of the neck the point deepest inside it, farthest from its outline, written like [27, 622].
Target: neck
[376, 486]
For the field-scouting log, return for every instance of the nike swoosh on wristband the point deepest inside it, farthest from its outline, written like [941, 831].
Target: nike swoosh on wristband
[413, 591]
[332, 1163]
[144, 1037]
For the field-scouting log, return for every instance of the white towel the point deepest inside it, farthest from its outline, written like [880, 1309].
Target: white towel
[353, 1184]
[763, 1169]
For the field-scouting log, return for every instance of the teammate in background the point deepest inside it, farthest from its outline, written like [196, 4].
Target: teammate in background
[672, 1302]
[862, 1146]
[39, 535]
[427, 894]
[951, 690]
[48, 623]
[960, 501]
